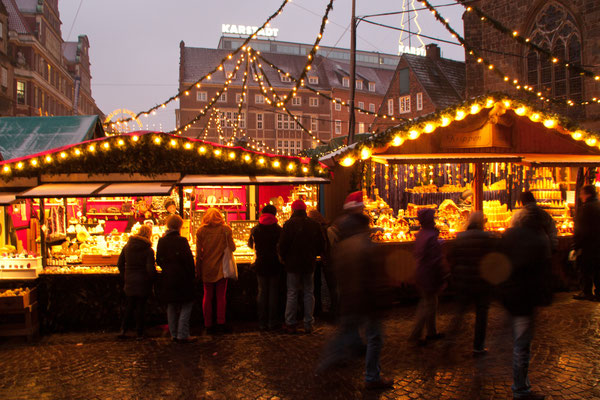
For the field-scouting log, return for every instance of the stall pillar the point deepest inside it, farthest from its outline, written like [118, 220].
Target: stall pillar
[251, 203]
[43, 234]
[181, 201]
[478, 187]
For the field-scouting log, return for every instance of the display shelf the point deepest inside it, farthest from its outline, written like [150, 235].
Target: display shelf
[218, 204]
[109, 214]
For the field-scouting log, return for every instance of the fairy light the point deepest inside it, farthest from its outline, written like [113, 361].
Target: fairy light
[188, 146]
[261, 161]
[460, 114]
[521, 111]
[429, 128]
[135, 138]
[445, 121]
[397, 141]
[6, 169]
[121, 142]
[202, 150]
[348, 161]
[173, 143]
[48, 159]
[590, 141]
[20, 165]
[106, 145]
[217, 152]
[475, 108]
[34, 162]
[63, 155]
[549, 123]
[413, 134]
[365, 153]
[77, 152]
[577, 135]
[232, 155]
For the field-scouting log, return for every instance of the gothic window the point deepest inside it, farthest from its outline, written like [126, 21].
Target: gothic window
[555, 30]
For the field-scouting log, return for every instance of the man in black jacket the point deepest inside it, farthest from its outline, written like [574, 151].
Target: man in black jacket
[587, 243]
[300, 243]
[263, 239]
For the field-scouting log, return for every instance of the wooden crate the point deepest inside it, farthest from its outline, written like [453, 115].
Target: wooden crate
[98, 259]
[18, 303]
[29, 326]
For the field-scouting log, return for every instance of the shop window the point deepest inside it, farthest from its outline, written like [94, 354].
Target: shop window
[338, 106]
[20, 92]
[419, 101]
[404, 104]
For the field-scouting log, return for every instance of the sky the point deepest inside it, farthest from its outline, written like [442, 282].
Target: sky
[134, 44]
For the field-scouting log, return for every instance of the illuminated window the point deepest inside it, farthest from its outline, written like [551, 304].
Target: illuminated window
[404, 104]
[20, 92]
[361, 127]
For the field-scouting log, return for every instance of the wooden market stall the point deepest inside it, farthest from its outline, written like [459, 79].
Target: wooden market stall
[70, 211]
[493, 147]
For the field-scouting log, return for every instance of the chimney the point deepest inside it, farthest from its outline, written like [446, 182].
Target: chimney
[433, 51]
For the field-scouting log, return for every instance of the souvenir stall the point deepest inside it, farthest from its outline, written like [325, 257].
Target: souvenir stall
[72, 210]
[479, 155]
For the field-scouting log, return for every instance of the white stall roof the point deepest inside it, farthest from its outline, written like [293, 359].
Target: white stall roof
[7, 198]
[136, 188]
[62, 190]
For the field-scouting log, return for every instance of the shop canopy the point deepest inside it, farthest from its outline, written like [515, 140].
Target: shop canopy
[493, 128]
[22, 136]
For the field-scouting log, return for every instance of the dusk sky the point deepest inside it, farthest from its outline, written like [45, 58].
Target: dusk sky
[135, 43]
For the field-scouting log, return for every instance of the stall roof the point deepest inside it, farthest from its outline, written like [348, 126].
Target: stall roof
[557, 160]
[137, 189]
[7, 198]
[62, 190]
[445, 158]
[199, 180]
[22, 136]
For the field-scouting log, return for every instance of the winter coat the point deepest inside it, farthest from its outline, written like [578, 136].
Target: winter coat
[430, 274]
[465, 256]
[300, 243]
[587, 232]
[263, 239]
[534, 217]
[529, 283]
[359, 268]
[211, 241]
[136, 265]
[174, 256]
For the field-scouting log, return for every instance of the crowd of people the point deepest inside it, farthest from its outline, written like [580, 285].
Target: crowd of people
[515, 267]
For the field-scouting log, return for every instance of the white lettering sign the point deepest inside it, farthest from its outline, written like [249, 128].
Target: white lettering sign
[417, 51]
[249, 30]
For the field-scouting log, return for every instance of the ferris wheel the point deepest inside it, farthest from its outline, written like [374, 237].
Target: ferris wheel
[113, 123]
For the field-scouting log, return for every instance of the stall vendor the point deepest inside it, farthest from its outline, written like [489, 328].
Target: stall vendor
[171, 208]
[465, 202]
[141, 213]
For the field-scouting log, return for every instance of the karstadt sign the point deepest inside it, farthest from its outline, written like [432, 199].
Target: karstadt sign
[249, 30]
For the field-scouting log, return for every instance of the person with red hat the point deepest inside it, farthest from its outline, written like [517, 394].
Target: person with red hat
[300, 243]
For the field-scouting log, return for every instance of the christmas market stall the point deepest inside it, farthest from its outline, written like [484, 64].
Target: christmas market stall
[479, 155]
[69, 211]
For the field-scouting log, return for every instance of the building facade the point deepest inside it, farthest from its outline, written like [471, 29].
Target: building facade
[570, 30]
[269, 127]
[51, 77]
[421, 85]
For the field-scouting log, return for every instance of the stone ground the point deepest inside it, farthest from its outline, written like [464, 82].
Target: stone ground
[252, 365]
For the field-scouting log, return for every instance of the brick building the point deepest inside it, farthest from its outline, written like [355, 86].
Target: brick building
[569, 29]
[6, 68]
[421, 85]
[50, 76]
[259, 120]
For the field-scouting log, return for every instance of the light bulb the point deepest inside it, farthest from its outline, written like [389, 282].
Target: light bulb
[348, 161]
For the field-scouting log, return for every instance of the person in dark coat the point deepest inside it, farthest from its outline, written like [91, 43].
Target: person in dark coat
[532, 214]
[324, 269]
[263, 239]
[174, 256]
[430, 277]
[300, 243]
[361, 276]
[528, 249]
[465, 257]
[136, 266]
[587, 243]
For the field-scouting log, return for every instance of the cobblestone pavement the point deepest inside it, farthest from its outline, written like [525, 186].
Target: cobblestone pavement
[253, 365]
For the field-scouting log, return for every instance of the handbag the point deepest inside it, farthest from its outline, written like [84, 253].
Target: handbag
[229, 266]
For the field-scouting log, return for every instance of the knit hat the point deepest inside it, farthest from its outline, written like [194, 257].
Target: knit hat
[298, 205]
[269, 209]
[354, 200]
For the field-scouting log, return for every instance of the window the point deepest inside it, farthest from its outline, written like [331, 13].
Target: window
[238, 98]
[313, 102]
[286, 122]
[229, 119]
[314, 124]
[4, 77]
[345, 82]
[338, 127]
[285, 78]
[555, 29]
[371, 86]
[259, 99]
[289, 146]
[338, 106]
[390, 107]
[259, 121]
[372, 107]
[1, 30]
[20, 92]
[223, 98]
[241, 120]
[313, 80]
[361, 127]
[358, 85]
[419, 101]
[404, 81]
[404, 104]
[361, 106]
[201, 96]
[296, 101]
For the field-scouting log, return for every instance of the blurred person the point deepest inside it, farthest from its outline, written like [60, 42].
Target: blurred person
[465, 257]
[136, 266]
[324, 269]
[174, 256]
[263, 239]
[212, 238]
[300, 243]
[430, 277]
[360, 270]
[533, 215]
[587, 243]
[465, 201]
[528, 249]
